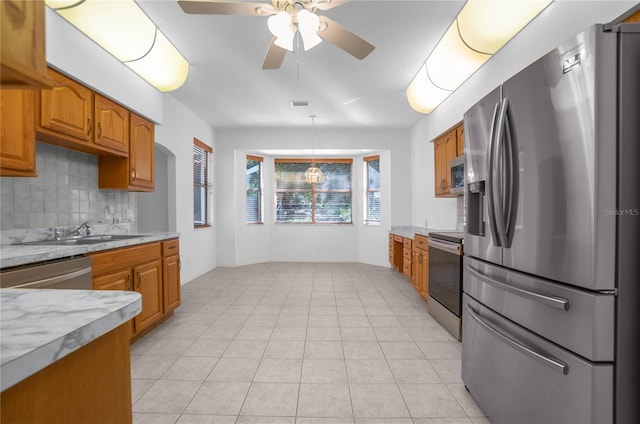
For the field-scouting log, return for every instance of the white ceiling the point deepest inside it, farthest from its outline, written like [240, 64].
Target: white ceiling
[227, 87]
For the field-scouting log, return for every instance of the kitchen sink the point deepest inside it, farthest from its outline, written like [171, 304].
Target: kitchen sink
[93, 239]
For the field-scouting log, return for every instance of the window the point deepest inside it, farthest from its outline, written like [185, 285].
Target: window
[300, 202]
[254, 189]
[201, 184]
[372, 201]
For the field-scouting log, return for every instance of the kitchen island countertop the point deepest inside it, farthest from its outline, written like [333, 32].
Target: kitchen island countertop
[39, 327]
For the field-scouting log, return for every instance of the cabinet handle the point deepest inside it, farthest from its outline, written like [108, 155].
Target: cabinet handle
[138, 278]
[133, 173]
[99, 130]
[129, 282]
[89, 125]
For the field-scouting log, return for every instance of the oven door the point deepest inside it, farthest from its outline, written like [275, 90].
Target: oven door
[445, 274]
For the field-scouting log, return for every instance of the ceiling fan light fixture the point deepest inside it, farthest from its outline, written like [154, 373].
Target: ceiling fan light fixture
[281, 27]
[308, 25]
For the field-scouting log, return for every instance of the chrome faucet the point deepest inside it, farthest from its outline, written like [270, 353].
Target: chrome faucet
[76, 231]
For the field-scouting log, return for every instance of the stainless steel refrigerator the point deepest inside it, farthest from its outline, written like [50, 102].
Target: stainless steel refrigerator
[551, 305]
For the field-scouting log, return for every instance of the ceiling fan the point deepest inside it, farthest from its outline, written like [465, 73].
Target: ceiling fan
[286, 18]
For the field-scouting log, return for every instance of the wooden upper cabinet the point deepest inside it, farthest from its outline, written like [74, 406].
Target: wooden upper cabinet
[111, 124]
[460, 139]
[73, 116]
[17, 133]
[135, 172]
[446, 148]
[22, 44]
[142, 153]
[65, 109]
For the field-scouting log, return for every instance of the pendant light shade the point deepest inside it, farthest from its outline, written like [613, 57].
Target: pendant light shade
[313, 174]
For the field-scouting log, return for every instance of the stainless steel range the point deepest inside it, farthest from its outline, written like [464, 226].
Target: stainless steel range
[445, 280]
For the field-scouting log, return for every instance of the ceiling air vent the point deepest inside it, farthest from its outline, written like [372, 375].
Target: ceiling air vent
[299, 103]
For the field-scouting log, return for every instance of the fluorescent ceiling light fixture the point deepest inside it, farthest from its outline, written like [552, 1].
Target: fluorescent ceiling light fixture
[423, 94]
[126, 32]
[481, 28]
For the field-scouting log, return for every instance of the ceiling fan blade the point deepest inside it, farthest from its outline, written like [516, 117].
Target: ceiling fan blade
[335, 33]
[275, 56]
[329, 4]
[213, 7]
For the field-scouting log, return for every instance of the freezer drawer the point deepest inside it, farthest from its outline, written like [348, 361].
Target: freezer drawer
[580, 321]
[518, 377]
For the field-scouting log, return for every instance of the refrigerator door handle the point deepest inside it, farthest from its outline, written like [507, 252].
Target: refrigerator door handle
[556, 302]
[501, 191]
[550, 362]
[489, 181]
[511, 181]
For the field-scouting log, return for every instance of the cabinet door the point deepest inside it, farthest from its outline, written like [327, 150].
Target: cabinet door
[451, 150]
[460, 139]
[438, 151]
[141, 153]
[17, 133]
[22, 44]
[424, 270]
[148, 282]
[112, 124]
[67, 108]
[171, 276]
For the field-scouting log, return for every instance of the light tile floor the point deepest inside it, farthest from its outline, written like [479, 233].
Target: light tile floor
[300, 343]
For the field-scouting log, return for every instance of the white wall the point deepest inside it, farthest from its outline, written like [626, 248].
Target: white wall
[180, 126]
[74, 54]
[240, 243]
[542, 35]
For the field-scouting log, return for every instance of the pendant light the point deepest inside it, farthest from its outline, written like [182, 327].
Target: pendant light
[313, 175]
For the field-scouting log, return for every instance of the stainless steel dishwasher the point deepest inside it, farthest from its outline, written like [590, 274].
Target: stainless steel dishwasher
[68, 273]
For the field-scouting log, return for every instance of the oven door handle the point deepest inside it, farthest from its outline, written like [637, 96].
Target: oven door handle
[556, 302]
[550, 362]
[454, 248]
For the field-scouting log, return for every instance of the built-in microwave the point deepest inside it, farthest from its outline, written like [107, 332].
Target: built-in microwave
[457, 175]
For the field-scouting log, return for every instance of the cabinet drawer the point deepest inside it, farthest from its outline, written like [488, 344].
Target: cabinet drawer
[406, 267]
[126, 257]
[421, 242]
[397, 238]
[170, 247]
[407, 243]
[406, 253]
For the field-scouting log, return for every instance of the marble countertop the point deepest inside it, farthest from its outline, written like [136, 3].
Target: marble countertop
[408, 231]
[16, 254]
[40, 327]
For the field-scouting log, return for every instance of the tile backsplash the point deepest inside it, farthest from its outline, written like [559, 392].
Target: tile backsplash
[65, 193]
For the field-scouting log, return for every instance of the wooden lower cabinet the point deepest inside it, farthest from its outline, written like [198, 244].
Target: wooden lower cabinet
[171, 274]
[152, 269]
[89, 385]
[148, 282]
[421, 255]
